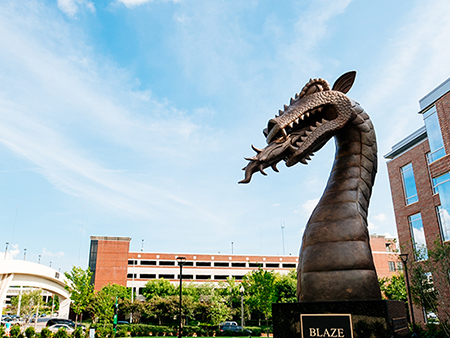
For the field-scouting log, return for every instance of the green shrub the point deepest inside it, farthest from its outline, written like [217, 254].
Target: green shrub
[61, 333]
[46, 333]
[2, 331]
[78, 333]
[15, 331]
[30, 332]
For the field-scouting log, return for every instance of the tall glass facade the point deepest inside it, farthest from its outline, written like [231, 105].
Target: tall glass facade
[434, 135]
[418, 236]
[409, 184]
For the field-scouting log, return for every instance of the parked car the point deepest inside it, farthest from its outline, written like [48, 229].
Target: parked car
[68, 322]
[55, 328]
[230, 326]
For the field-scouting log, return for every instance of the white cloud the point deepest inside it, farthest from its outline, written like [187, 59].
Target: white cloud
[46, 253]
[71, 7]
[372, 227]
[308, 207]
[134, 3]
[13, 251]
[380, 217]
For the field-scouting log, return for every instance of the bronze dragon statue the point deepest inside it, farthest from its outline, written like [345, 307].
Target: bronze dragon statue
[335, 260]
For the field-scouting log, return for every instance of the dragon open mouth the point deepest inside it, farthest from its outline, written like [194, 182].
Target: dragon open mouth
[304, 126]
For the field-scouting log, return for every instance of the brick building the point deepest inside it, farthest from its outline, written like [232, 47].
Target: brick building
[419, 174]
[111, 262]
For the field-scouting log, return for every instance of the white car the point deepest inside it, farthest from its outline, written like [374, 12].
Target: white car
[56, 327]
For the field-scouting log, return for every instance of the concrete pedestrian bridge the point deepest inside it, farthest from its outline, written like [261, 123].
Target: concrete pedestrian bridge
[15, 273]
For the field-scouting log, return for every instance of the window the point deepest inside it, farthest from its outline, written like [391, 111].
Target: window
[255, 265]
[147, 276]
[203, 264]
[440, 180]
[238, 277]
[166, 263]
[188, 264]
[441, 184]
[221, 277]
[272, 265]
[186, 276]
[167, 276]
[409, 184]
[221, 264]
[203, 277]
[238, 265]
[444, 222]
[132, 262]
[132, 275]
[434, 135]
[289, 265]
[391, 266]
[148, 262]
[399, 266]
[418, 236]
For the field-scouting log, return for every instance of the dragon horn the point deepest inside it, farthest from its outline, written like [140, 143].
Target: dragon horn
[256, 149]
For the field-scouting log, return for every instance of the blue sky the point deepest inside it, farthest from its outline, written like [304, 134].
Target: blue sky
[132, 117]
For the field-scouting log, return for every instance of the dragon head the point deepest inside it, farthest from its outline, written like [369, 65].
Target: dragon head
[302, 128]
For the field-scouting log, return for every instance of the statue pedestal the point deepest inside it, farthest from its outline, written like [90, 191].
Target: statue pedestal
[349, 319]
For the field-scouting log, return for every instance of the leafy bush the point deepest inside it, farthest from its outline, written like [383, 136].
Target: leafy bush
[30, 332]
[15, 331]
[46, 333]
[61, 333]
[2, 331]
[78, 333]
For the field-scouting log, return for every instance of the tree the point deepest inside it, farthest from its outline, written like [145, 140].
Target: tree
[136, 308]
[260, 289]
[116, 290]
[394, 288]
[80, 289]
[101, 307]
[28, 302]
[158, 287]
[286, 288]
[430, 282]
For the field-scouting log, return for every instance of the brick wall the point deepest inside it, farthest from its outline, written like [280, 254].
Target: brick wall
[112, 262]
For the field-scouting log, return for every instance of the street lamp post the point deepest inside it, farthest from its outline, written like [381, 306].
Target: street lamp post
[6, 250]
[39, 259]
[132, 290]
[25, 254]
[404, 258]
[181, 261]
[242, 306]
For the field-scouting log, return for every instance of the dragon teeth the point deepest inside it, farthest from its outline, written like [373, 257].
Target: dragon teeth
[285, 107]
[297, 121]
[291, 124]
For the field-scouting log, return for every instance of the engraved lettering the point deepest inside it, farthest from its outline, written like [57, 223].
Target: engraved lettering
[341, 333]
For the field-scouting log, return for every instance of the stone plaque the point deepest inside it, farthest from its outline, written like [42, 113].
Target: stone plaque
[326, 325]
